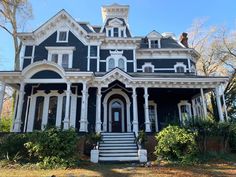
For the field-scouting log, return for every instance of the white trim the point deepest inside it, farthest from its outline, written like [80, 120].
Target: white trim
[105, 100]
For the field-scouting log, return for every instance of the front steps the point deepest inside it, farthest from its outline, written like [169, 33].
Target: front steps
[118, 147]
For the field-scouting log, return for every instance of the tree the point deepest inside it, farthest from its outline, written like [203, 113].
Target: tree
[13, 16]
[217, 48]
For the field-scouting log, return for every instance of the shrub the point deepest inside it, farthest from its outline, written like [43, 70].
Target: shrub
[12, 147]
[53, 147]
[5, 124]
[176, 144]
[141, 138]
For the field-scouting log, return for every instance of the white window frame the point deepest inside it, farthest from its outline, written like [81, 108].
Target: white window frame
[184, 103]
[60, 51]
[180, 64]
[152, 103]
[116, 58]
[58, 34]
[148, 65]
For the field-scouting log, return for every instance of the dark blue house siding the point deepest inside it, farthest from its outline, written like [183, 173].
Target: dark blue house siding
[130, 67]
[28, 51]
[161, 63]
[79, 55]
[26, 62]
[46, 74]
[128, 54]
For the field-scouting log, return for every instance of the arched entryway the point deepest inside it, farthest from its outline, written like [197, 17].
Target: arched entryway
[116, 106]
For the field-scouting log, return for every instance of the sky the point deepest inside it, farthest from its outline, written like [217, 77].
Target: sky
[144, 16]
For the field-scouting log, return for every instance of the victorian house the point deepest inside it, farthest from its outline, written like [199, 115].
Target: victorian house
[103, 79]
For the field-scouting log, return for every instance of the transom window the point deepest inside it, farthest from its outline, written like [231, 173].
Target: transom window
[62, 36]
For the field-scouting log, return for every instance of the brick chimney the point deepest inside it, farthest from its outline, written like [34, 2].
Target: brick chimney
[184, 39]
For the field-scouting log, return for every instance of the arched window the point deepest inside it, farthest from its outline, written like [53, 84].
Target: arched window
[111, 64]
[180, 69]
[121, 64]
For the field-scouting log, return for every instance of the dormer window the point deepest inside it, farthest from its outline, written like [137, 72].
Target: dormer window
[154, 44]
[148, 68]
[62, 36]
[109, 33]
[180, 68]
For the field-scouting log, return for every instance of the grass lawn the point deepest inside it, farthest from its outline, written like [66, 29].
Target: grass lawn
[131, 170]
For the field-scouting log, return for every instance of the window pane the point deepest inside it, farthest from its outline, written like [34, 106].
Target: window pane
[38, 113]
[62, 35]
[121, 64]
[93, 51]
[52, 111]
[116, 34]
[109, 33]
[111, 64]
[65, 60]
[122, 33]
[54, 58]
[154, 44]
[116, 116]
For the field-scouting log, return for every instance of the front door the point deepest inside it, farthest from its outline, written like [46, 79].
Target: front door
[116, 120]
[116, 116]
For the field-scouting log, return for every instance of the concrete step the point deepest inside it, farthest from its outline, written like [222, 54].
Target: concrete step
[118, 154]
[117, 134]
[118, 159]
[118, 145]
[118, 148]
[117, 141]
[109, 139]
[118, 151]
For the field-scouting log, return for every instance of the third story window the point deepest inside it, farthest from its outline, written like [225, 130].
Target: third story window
[180, 69]
[116, 32]
[54, 58]
[148, 69]
[154, 44]
[62, 36]
[65, 61]
[93, 51]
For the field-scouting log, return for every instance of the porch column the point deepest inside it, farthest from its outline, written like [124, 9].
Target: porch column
[224, 105]
[135, 111]
[66, 120]
[219, 106]
[98, 110]
[204, 104]
[83, 117]
[2, 92]
[194, 108]
[45, 112]
[147, 120]
[17, 122]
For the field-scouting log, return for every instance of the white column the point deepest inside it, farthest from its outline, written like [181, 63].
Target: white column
[147, 120]
[219, 106]
[128, 117]
[45, 112]
[135, 111]
[59, 110]
[224, 105]
[84, 101]
[17, 123]
[98, 58]
[88, 59]
[98, 110]
[67, 119]
[204, 103]
[2, 92]
[105, 117]
[15, 108]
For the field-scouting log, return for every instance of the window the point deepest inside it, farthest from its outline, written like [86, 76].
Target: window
[180, 67]
[54, 58]
[93, 51]
[62, 36]
[116, 32]
[65, 61]
[184, 111]
[111, 64]
[121, 33]
[121, 64]
[109, 33]
[38, 113]
[63, 56]
[154, 43]
[148, 68]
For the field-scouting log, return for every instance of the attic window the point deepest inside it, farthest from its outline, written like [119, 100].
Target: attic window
[116, 32]
[62, 36]
[154, 44]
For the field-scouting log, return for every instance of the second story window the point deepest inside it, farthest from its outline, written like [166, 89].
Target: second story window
[148, 68]
[62, 36]
[111, 64]
[93, 51]
[116, 60]
[121, 64]
[115, 32]
[63, 56]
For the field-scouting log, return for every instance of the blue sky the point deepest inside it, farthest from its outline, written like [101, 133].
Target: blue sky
[144, 16]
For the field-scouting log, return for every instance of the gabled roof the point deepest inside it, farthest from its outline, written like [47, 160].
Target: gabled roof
[154, 34]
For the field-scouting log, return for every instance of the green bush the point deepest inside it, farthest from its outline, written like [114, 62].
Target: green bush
[176, 144]
[12, 147]
[5, 124]
[53, 147]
